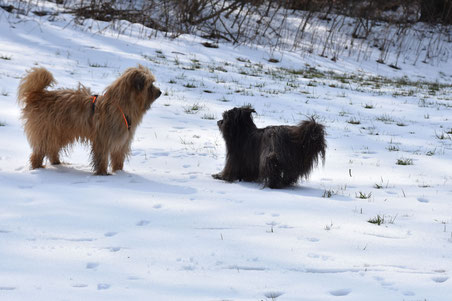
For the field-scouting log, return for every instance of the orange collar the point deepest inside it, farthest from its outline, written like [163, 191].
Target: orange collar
[94, 102]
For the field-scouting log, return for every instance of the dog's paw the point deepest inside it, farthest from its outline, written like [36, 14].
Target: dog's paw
[37, 166]
[102, 173]
[217, 176]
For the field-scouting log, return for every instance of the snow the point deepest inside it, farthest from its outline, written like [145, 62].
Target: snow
[164, 229]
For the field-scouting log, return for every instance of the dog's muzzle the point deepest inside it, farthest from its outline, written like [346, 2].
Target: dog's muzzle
[220, 123]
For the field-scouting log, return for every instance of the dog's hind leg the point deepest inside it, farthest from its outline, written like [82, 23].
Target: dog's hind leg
[54, 157]
[271, 172]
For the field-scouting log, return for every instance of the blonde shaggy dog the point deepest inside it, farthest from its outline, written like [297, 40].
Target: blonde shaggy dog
[53, 120]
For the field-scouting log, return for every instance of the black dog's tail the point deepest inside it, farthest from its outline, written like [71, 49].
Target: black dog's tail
[310, 136]
[33, 84]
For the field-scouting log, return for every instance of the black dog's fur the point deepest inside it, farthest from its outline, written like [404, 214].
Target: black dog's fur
[277, 156]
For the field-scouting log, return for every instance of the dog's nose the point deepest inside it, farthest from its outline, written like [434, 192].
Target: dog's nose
[219, 123]
[160, 93]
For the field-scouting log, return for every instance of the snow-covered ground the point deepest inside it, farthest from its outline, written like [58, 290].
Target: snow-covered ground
[165, 230]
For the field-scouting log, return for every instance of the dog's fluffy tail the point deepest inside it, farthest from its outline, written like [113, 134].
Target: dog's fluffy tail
[310, 135]
[33, 84]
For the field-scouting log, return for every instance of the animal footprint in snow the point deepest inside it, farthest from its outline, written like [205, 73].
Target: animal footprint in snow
[103, 286]
[408, 293]
[143, 223]
[273, 295]
[440, 279]
[80, 285]
[423, 200]
[92, 265]
[341, 292]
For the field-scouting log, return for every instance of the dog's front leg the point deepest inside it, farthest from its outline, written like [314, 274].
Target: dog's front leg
[99, 154]
[225, 177]
[218, 176]
[36, 159]
[118, 157]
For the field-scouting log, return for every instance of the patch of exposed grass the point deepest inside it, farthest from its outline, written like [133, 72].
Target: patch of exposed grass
[402, 86]
[243, 60]
[385, 118]
[190, 85]
[353, 121]
[160, 54]
[431, 153]
[443, 136]
[195, 63]
[97, 65]
[193, 109]
[404, 161]
[208, 116]
[329, 193]
[329, 226]
[210, 45]
[220, 68]
[382, 219]
[378, 220]
[224, 99]
[364, 196]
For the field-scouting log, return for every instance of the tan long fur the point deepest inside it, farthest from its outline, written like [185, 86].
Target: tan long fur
[53, 120]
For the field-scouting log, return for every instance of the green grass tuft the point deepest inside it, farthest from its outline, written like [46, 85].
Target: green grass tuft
[353, 121]
[404, 161]
[378, 220]
[329, 193]
[190, 85]
[364, 196]
[193, 109]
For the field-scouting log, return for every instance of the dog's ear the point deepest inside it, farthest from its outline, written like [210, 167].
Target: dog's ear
[248, 110]
[138, 81]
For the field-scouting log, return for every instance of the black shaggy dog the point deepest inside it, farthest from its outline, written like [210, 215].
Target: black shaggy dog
[277, 156]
